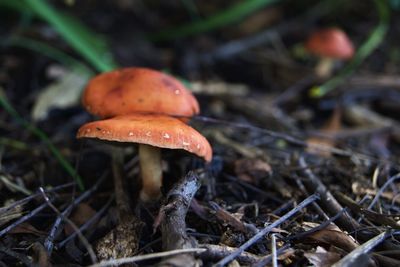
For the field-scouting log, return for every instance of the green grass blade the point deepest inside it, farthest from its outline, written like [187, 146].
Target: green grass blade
[49, 51]
[20, 6]
[89, 45]
[60, 56]
[229, 16]
[78, 36]
[43, 137]
[373, 41]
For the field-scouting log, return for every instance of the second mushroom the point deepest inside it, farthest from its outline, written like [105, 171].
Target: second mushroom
[329, 44]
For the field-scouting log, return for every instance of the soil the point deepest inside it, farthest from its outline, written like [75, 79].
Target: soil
[295, 179]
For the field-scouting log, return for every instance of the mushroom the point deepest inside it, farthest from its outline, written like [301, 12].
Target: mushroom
[329, 44]
[151, 132]
[133, 90]
[140, 91]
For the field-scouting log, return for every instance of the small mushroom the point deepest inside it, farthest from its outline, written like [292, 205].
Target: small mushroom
[133, 90]
[151, 132]
[329, 44]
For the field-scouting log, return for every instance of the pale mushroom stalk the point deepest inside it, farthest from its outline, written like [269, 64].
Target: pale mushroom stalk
[151, 171]
[324, 67]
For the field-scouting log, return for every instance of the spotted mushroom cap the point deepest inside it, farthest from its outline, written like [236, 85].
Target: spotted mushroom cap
[330, 42]
[155, 130]
[132, 90]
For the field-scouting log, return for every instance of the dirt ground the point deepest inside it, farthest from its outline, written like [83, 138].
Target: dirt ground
[305, 163]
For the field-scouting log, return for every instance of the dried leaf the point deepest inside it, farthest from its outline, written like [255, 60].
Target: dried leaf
[333, 125]
[321, 257]
[82, 214]
[63, 93]
[233, 220]
[361, 189]
[248, 152]
[365, 116]
[40, 257]
[335, 238]
[8, 215]
[251, 170]
[27, 228]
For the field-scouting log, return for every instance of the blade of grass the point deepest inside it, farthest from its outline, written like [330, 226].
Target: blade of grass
[16, 5]
[15, 144]
[58, 55]
[373, 41]
[49, 51]
[91, 46]
[81, 39]
[191, 8]
[226, 17]
[78, 36]
[42, 136]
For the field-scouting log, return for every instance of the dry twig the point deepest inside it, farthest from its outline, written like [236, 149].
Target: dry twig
[266, 230]
[172, 219]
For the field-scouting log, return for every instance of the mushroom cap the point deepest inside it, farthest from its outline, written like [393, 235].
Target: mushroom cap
[151, 129]
[131, 90]
[330, 42]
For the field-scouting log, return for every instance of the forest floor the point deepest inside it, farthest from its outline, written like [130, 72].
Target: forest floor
[305, 168]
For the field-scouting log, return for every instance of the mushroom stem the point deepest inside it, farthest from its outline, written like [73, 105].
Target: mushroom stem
[151, 170]
[324, 67]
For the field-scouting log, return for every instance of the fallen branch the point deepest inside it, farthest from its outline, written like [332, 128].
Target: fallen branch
[217, 252]
[359, 255]
[172, 220]
[328, 202]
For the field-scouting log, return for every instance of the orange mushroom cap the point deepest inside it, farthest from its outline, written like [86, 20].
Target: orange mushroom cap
[331, 42]
[155, 130]
[132, 90]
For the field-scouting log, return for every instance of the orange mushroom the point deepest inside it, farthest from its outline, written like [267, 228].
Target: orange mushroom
[330, 44]
[139, 91]
[151, 132]
[133, 90]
